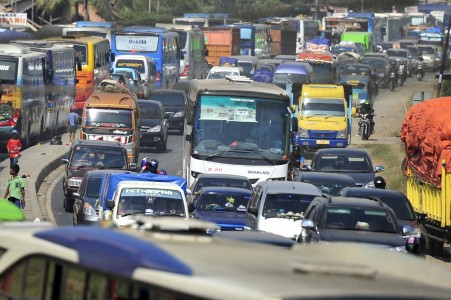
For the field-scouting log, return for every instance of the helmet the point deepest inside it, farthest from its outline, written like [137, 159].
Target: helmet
[393, 62]
[153, 165]
[379, 182]
[15, 132]
[144, 162]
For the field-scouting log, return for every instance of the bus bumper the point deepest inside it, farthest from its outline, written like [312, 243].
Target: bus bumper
[318, 143]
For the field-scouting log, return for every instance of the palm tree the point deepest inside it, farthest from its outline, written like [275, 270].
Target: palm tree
[65, 9]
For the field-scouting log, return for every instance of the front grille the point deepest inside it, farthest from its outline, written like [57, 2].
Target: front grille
[322, 134]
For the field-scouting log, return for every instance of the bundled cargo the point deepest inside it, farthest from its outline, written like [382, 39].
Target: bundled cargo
[426, 133]
[221, 42]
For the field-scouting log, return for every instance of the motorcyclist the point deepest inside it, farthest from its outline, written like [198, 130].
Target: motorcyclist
[296, 159]
[379, 182]
[403, 69]
[393, 69]
[151, 166]
[365, 108]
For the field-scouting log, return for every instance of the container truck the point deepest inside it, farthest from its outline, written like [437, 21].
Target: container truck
[221, 42]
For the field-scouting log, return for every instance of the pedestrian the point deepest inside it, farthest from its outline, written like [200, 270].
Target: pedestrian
[13, 146]
[72, 122]
[15, 189]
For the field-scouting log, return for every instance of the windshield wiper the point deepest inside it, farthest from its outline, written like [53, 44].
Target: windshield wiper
[314, 115]
[259, 153]
[333, 115]
[82, 167]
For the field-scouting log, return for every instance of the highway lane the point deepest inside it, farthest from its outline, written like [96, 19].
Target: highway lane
[170, 160]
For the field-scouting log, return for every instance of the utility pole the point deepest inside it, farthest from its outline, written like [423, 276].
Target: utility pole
[442, 67]
[150, 6]
[316, 9]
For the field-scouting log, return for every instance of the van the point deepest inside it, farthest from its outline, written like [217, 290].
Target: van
[219, 72]
[143, 64]
[298, 73]
[112, 114]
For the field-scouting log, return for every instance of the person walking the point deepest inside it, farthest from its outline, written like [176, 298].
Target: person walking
[72, 122]
[13, 146]
[15, 189]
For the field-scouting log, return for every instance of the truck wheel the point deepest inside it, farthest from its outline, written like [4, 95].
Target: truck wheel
[432, 247]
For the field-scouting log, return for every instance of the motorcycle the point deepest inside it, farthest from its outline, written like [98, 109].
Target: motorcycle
[365, 126]
[420, 71]
[392, 81]
[402, 77]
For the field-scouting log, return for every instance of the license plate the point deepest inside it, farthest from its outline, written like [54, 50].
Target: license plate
[322, 142]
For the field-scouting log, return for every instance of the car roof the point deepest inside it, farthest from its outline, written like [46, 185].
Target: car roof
[351, 201]
[167, 91]
[92, 173]
[333, 177]
[295, 67]
[148, 102]
[97, 143]
[292, 187]
[224, 189]
[372, 192]
[226, 176]
[341, 151]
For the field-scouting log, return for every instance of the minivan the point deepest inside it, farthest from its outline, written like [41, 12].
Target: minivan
[279, 206]
[143, 64]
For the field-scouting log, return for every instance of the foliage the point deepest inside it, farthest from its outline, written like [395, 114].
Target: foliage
[372, 6]
[57, 8]
[446, 88]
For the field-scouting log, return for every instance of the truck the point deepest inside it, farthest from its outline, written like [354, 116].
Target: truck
[324, 115]
[124, 194]
[427, 166]
[364, 38]
[221, 42]
[323, 64]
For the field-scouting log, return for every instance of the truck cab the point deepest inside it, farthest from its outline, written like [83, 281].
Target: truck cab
[324, 116]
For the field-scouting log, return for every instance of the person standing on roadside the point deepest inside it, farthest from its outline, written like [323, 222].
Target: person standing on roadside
[13, 146]
[72, 122]
[15, 189]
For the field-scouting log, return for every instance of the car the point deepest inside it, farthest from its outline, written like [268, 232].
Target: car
[382, 55]
[220, 72]
[154, 125]
[222, 180]
[350, 161]
[279, 206]
[328, 183]
[123, 79]
[86, 202]
[86, 155]
[345, 219]
[225, 206]
[404, 54]
[359, 69]
[285, 57]
[136, 83]
[380, 68]
[248, 63]
[401, 206]
[431, 56]
[174, 103]
[363, 89]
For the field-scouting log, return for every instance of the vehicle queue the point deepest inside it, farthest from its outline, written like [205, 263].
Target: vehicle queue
[262, 153]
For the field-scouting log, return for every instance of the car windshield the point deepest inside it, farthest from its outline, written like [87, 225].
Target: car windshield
[329, 187]
[223, 201]
[150, 201]
[358, 218]
[169, 99]
[105, 157]
[427, 50]
[148, 111]
[375, 63]
[224, 182]
[357, 70]
[222, 74]
[347, 163]
[398, 53]
[283, 205]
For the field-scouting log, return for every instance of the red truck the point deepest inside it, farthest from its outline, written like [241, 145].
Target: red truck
[221, 42]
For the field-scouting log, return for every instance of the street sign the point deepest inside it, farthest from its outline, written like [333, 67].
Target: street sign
[19, 19]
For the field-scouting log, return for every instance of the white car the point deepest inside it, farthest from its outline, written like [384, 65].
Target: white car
[219, 72]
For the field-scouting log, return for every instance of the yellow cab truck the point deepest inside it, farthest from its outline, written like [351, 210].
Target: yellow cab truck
[112, 113]
[324, 116]
[426, 133]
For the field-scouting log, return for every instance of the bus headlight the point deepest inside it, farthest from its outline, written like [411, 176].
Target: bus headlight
[155, 129]
[303, 133]
[88, 210]
[342, 134]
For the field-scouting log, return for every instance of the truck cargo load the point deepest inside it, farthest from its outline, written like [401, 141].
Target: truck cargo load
[426, 133]
[221, 42]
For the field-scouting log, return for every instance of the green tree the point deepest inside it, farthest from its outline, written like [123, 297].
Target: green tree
[62, 8]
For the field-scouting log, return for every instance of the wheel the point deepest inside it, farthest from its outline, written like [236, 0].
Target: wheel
[161, 147]
[432, 246]
[67, 205]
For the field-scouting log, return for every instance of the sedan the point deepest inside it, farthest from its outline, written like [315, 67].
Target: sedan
[154, 125]
[328, 183]
[350, 161]
[174, 103]
[224, 206]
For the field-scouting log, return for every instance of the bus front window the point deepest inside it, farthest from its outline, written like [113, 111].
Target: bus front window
[228, 125]
[8, 72]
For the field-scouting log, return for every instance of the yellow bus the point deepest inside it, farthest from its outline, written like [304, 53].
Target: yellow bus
[94, 55]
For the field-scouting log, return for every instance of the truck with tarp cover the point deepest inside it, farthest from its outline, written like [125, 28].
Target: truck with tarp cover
[323, 65]
[426, 133]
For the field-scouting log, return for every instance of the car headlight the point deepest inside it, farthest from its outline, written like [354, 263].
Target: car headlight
[342, 134]
[399, 249]
[303, 133]
[155, 129]
[129, 147]
[74, 182]
[179, 114]
[88, 210]
[370, 185]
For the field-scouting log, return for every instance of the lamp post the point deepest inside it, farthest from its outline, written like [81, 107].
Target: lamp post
[150, 6]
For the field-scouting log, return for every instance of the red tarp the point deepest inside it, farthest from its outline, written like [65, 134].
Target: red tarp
[426, 133]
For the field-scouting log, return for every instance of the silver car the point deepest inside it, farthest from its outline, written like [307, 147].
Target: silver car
[431, 56]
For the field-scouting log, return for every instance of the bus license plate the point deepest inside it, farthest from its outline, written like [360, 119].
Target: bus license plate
[322, 142]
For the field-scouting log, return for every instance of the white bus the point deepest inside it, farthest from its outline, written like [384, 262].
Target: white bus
[236, 126]
[199, 22]
[306, 30]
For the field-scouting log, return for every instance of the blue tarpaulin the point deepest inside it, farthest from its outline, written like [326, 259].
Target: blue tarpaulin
[11, 35]
[263, 76]
[434, 30]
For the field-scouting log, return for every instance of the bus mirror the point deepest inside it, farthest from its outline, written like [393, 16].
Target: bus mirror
[294, 124]
[182, 56]
[112, 57]
[293, 108]
[78, 64]
[188, 137]
[206, 52]
[98, 65]
[353, 111]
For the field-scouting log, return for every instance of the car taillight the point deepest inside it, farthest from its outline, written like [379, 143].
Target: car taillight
[185, 72]
[14, 119]
[158, 76]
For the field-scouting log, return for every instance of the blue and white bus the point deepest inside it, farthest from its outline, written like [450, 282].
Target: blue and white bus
[59, 86]
[160, 44]
[23, 103]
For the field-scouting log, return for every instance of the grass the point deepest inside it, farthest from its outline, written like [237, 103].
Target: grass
[390, 156]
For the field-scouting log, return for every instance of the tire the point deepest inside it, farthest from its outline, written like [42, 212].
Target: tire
[67, 205]
[392, 86]
[432, 246]
[161, 147]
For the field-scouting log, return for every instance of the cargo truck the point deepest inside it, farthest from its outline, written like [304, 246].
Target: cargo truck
[221, 42]
[426, 133]
[324, 116]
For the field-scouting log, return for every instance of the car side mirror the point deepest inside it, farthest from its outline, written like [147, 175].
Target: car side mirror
[306, 168]
[379, 168]
[408, 230]
[110, 204]
[252, 211]
[65, 161]
[189, 192]
[191, 207]
[76, 195]
[307, 224]
[421, 217]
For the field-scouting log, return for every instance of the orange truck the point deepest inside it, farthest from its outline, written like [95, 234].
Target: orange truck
[323, 64]
[221, 42]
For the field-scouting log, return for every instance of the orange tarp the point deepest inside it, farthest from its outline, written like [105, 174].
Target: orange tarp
[313, 56]
[426, 133]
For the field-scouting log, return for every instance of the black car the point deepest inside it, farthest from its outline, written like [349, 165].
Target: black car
[398, 202]
[154, 125]
[174, 102]
[221, 180]
[345, 219]
[380, 67]
[350, 161]
[85, 207]
[356, 69]
[328, 183]
[86, 155]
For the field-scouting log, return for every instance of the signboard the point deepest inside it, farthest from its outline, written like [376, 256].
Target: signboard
[19, 19]
[410, 9]
[234, 109]
[431, 36]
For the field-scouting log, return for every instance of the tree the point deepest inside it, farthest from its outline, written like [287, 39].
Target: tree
[65, 9]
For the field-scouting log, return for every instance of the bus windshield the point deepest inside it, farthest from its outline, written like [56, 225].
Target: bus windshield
[232, 126]
[8, 71]
[111, 118]
[323, 107]
[141, 43]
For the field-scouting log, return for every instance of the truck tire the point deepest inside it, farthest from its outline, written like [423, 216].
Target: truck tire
[432, 246]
